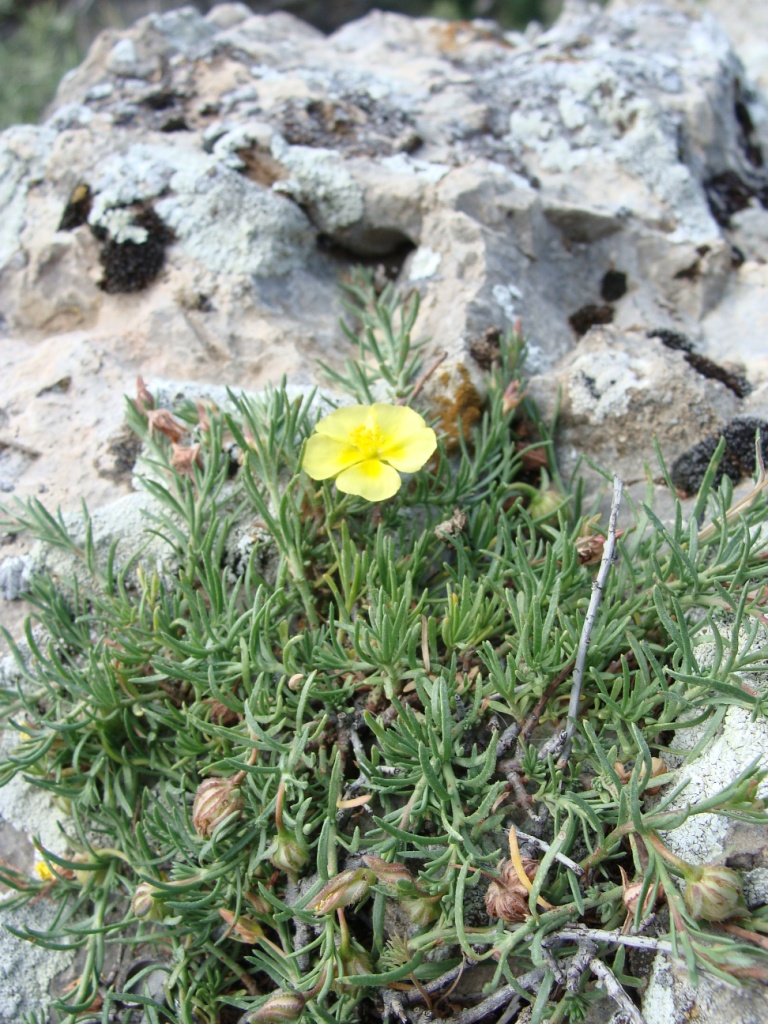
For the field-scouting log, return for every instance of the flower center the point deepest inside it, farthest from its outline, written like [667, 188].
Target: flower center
[367, 439]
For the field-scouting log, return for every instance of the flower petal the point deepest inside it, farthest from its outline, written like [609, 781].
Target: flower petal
[412, 452]
[340, 423]
[372, 480]
[324, 457]
[396, 422]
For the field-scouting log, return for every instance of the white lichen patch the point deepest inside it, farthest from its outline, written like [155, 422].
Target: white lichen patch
[319, 179]
[741, 740]
[602, 390]
[424, 263]
[27, 969]
[670, 998]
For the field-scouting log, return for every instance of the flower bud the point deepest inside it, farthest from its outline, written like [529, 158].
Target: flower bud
[631, 892]
[658, 768]
[420, 912]
[145, 903]
[91, 871]
[393, 875]
[345, 888]
[512, 397]
[356, 962]
[290, 852]
[280, 1007]
[244, 929]
[259, 904]
[214, 801]
[713, 892]
[545, 503]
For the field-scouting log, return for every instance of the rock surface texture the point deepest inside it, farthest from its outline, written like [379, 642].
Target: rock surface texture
[201, 183]
[186, 210]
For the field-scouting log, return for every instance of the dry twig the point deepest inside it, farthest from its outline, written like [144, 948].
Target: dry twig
[589, 621]
[422, 380]
[610, 983]
[571, 864]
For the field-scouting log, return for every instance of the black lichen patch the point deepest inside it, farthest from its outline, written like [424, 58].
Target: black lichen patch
[727, 193]
[747, 137]
[591, 385]
[589, 316]
[693, 271]
[130, 266]
[735, 382]
[613, 286]
[78, 208]
[487, 349]
[672, 339]
[738, 459]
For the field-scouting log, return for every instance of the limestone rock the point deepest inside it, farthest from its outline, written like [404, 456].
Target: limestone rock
[671, 998]
[202, 181]
[739, 740]
[617, 388]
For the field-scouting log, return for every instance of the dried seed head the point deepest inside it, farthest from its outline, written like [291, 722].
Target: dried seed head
[512, 397]
[164, 422]
[203, 420]
[713, 892]
[507, 897]
[451, 527]
[280, 1007]
[184, 459]
[343, 889]
[144, 400]
[214, 801]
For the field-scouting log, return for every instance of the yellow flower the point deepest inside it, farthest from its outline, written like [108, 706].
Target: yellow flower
[43, 872]
[364, 446]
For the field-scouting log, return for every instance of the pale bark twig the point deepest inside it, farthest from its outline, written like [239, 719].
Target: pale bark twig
[589, 621]
[613, 988]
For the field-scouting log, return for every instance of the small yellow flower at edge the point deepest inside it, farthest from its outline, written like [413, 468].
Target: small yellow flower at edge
[366, 447]
[43, 872]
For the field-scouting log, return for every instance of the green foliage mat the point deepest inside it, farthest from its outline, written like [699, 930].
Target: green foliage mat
[34, 56]
[365, 705]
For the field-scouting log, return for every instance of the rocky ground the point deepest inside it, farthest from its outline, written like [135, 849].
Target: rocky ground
[203, 181]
